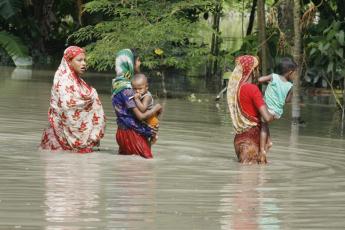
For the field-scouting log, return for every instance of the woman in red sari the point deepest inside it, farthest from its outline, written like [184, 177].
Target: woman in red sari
[76, 117]
[247, 108]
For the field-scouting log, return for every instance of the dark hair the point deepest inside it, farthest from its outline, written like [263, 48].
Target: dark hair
[135, 54]
[140, 77]
[285, 65]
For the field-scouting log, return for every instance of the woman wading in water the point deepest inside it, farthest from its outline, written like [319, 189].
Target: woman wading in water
[246, 107]
[76, 117]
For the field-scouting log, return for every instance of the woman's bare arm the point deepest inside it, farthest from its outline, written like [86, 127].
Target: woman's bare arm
[148, 113]
[267, 116]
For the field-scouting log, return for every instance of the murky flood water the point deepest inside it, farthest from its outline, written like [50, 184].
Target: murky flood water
[193, 182]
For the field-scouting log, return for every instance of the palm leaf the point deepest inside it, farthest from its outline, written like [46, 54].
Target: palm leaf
[9, 8]
[13, 45]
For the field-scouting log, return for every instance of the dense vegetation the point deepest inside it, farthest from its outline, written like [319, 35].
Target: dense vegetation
[180, 35]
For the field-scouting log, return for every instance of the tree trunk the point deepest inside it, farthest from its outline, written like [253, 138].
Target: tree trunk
[343, 110]
[216, 74]
[285, 19]
[296, 110]
[262, 35]
[251, 18]
[45, 16]
[79, 4]
[212, 65]
[165, 92]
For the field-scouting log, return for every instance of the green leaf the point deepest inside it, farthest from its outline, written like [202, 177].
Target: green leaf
[313, 50]
[326, 46]
[330, 67]
[340, 52]
[13, 45]
[340, 37]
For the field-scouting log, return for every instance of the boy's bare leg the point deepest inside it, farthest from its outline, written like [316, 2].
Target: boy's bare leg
[154, 139]
[263, 137]
[269, 140]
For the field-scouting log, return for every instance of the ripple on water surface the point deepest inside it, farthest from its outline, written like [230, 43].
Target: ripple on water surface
[194, 181]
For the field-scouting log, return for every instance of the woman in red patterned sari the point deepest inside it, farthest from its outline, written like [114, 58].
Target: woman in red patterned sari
[76, 117]
[247, 108]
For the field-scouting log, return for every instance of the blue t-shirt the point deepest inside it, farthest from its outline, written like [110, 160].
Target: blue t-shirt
[123, 104]
[275, 94]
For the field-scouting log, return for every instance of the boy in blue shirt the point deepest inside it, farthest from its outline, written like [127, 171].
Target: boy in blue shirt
[278, 92]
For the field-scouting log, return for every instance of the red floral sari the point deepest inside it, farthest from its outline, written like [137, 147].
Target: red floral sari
[247, 128]
[76, 117]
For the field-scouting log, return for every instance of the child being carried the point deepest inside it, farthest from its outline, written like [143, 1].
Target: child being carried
[144, 101]
[278, 92]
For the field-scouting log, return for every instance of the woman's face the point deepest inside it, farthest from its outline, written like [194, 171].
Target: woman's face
[78, 64]
[137, 64]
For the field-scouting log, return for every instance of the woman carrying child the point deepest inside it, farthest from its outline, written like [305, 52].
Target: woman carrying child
[247, 107]
[132, 134]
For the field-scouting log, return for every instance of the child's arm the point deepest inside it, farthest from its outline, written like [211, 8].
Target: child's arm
[289, 96]
[142, 105]
[266, 78]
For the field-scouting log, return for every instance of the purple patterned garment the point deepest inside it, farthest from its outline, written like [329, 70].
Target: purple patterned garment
[123, 103]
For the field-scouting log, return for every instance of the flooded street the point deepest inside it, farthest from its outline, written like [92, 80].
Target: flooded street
[193, 182]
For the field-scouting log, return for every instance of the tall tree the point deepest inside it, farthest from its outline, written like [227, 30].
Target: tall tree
[262, 35]
[213, 66]
[251, 18]
[297, 50]
[146, 25]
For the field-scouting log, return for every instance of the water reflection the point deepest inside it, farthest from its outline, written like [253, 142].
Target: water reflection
[19, 73]
[72, 191]
[194, 181]
[243, 202]
[131, 194]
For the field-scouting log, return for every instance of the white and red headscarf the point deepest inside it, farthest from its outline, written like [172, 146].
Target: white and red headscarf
[245, 65]
[76, 116]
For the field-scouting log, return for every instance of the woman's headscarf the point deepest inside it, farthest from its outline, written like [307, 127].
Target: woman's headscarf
[76, 116]
[71, 52]
[124, 67]
[245, 65]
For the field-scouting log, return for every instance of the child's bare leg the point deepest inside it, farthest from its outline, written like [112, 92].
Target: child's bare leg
[263, 137]
[154, 137]
[269, 140]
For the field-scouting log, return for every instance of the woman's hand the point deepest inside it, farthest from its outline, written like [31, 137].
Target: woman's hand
[157, 109]
[154, 130]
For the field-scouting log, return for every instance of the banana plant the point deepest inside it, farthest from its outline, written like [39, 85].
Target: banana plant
[13, 45]
[15, 48]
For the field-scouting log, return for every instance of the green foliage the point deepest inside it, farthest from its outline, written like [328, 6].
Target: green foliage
[328, 50]
[326, 55]
[145, 25]
[8, 8]
[13, 45]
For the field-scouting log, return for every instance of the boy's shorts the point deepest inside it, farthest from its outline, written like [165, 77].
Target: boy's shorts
[153, 121]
